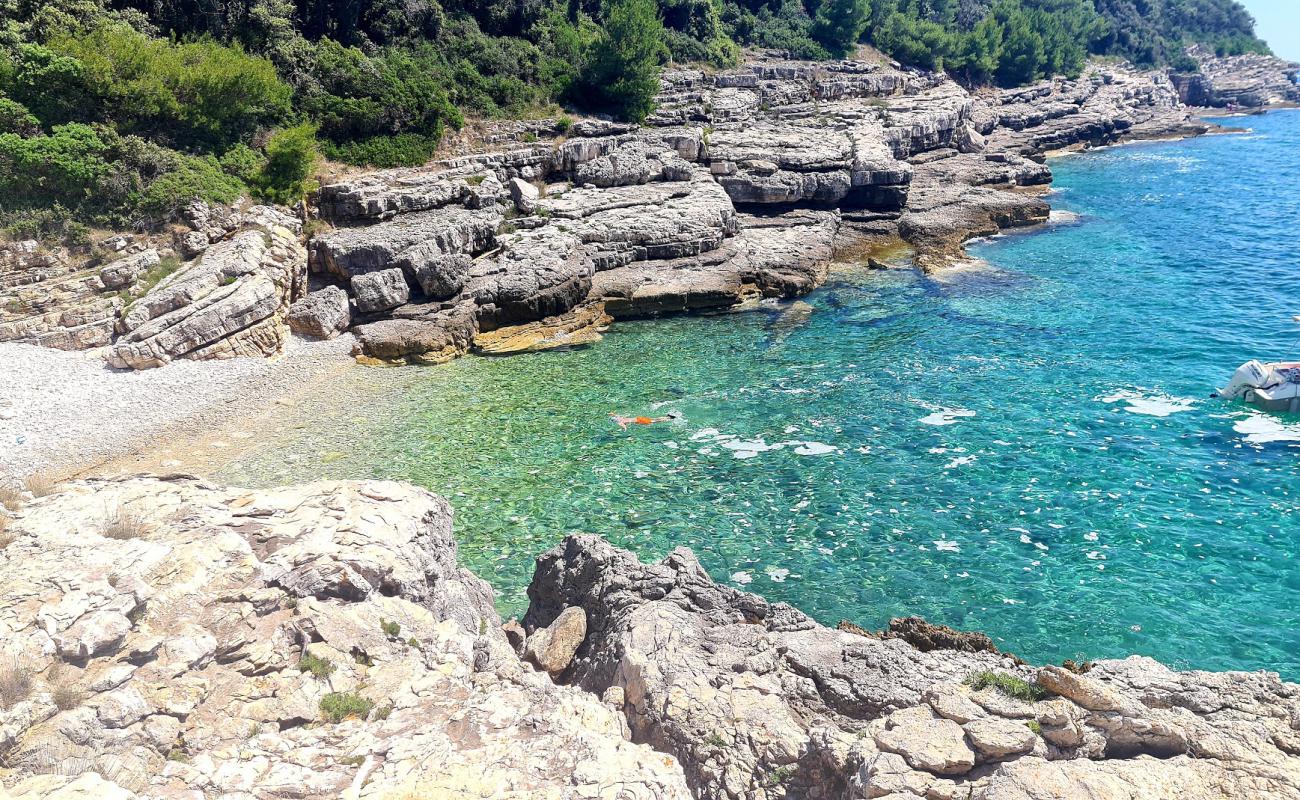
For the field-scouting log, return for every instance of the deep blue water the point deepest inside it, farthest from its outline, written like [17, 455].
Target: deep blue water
[1026, 449]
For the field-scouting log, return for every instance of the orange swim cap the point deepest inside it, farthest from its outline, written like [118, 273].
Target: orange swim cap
[643, 420]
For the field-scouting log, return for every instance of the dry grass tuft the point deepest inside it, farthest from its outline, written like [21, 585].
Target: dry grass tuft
[12, 498]
[125, 523]
[67, 697]
[16, 682]
[41, 484]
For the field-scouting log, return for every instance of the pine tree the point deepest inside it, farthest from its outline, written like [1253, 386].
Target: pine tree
[839, 23]
[623, 69]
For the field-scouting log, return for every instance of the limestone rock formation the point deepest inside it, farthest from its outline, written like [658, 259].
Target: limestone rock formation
[322, 314]
[230, 301]
[1249, 80]
[758, 701]
[166, 638]
[529, 222]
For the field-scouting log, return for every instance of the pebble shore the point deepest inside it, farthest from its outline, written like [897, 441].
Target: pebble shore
[65, 412]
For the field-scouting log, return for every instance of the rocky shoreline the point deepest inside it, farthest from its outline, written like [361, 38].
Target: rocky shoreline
[742, 184]
[168, 638]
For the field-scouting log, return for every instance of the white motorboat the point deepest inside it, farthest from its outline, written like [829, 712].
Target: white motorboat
[1271, 386]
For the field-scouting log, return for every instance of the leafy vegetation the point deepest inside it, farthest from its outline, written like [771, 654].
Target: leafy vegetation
[338, 706]
[120, 112]
[1009, 685]
[317, 666]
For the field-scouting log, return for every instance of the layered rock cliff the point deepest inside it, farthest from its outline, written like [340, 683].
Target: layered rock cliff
[742, 185]
[167, 638]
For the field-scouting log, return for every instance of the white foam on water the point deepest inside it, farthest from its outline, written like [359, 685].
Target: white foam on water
[959, 461]
[946, 416]
[671, 445]
[705, 433]
[777, 574]
[814, 449]
[741, 577]
[945, 546]
[1262, 429]
[1154, 404]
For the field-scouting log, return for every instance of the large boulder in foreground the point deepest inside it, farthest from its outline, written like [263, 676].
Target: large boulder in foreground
[759, 701]
[166, 638]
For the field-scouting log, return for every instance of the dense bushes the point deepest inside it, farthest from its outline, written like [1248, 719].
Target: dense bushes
[199, 92]
[623, 67]
[121, 111]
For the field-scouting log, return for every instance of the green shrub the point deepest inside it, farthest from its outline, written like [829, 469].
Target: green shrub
[51, 85]
[193, 178]
[402, 150]
[838, 24]
[198, 91]
[63, 166]
[291, 158]
[317, 666]
[242, 162]
[623, 68]
[338, 706]
[1009, 685]
[15, 118]
[361, 97]
[390, 629]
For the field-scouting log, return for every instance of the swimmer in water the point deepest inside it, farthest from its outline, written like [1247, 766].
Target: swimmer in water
[623, 422]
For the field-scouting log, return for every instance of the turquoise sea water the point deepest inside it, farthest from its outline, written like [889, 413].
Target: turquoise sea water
[1026, 449]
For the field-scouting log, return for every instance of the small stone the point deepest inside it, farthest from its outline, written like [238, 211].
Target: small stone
[934, 745]
[524, 194]
[442, 276]
[99, 634]
[614, 696]
[193, 243]
[515, 635]
[950, 702]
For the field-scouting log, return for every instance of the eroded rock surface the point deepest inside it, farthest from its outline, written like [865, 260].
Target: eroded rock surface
[759, 701]
[172, 639]
[232, 300]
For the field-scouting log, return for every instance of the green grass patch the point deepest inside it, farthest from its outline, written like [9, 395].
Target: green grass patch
[338, 706]
[1009, 685]
[1035, 726]
[317, 666]
[390, 629]
[151, 278]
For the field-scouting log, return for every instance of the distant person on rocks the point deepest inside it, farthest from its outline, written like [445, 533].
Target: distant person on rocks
[623, 422]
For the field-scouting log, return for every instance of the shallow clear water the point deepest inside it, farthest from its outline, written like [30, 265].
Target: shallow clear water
[1027, 450]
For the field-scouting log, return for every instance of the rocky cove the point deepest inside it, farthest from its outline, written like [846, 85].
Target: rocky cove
[742, 184]
[184, 639]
